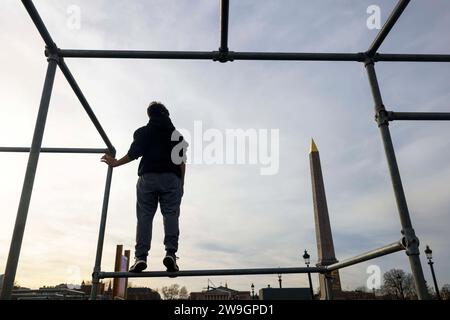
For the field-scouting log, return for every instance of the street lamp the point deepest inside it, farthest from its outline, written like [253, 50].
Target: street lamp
[279, 280]
[253, 291]
[429, 254]
[307, 259]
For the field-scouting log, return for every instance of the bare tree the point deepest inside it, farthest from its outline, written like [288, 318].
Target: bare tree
[409, 287]
[445, 292]
[397, 283]
[172, 292]
[183, 294]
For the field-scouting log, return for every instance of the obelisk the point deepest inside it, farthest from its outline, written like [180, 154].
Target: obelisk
[324, 237]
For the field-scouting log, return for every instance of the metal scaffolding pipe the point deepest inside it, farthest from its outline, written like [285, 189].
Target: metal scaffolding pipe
[224, 12]
[211, 55]
[55, 150]
[297, 56]
[202, 273]
[404, 57]
[435, 116]
[390, 22]
[230, 56]
[27, 188]
[34, 14]
[328, 286]
[65, 70]
[410, 239]
[101, 234]
[138, 54]
[391, 248]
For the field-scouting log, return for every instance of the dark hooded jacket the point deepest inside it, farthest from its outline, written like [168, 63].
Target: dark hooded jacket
[154, 143]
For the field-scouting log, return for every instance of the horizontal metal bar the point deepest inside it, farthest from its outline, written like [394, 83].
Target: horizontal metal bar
[387, 27]
[72, 82]
[299, 56]
[210, 55]
[47, 290]
[200, 273]
[435, 116]
[402, 57]
[34, 14]
[230, 56]
[56, 150]
[137, 54]
[391, 248]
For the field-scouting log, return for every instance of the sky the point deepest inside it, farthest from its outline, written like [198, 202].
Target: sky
[231, 216]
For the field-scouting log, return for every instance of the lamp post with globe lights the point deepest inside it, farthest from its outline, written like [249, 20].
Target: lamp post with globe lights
[307, 259]
[429, 254]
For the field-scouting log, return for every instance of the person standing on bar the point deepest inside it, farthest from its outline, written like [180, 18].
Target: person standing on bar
[161, 180]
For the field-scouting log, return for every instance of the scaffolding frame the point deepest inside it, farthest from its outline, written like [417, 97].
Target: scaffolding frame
[55, 57]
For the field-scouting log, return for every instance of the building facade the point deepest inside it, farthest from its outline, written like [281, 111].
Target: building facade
[220, 293]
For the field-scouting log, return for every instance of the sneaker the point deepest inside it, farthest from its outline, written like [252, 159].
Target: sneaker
[138, 266]
[170, 261]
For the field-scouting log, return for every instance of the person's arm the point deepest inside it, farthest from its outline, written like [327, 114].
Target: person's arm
[136, 150]
[113, 162]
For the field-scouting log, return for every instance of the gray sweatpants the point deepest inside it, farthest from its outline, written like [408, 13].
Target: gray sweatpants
[165, 188]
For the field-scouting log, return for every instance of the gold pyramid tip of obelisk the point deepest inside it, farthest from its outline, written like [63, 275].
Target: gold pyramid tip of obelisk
[313, 147]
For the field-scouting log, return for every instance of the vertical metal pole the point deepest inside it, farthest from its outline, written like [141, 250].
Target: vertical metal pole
[27, 188]
[224, 12]
[436, 287]
[127, 254]
[410, 240]
[101, 235]
[328, 286]
[310, 285]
